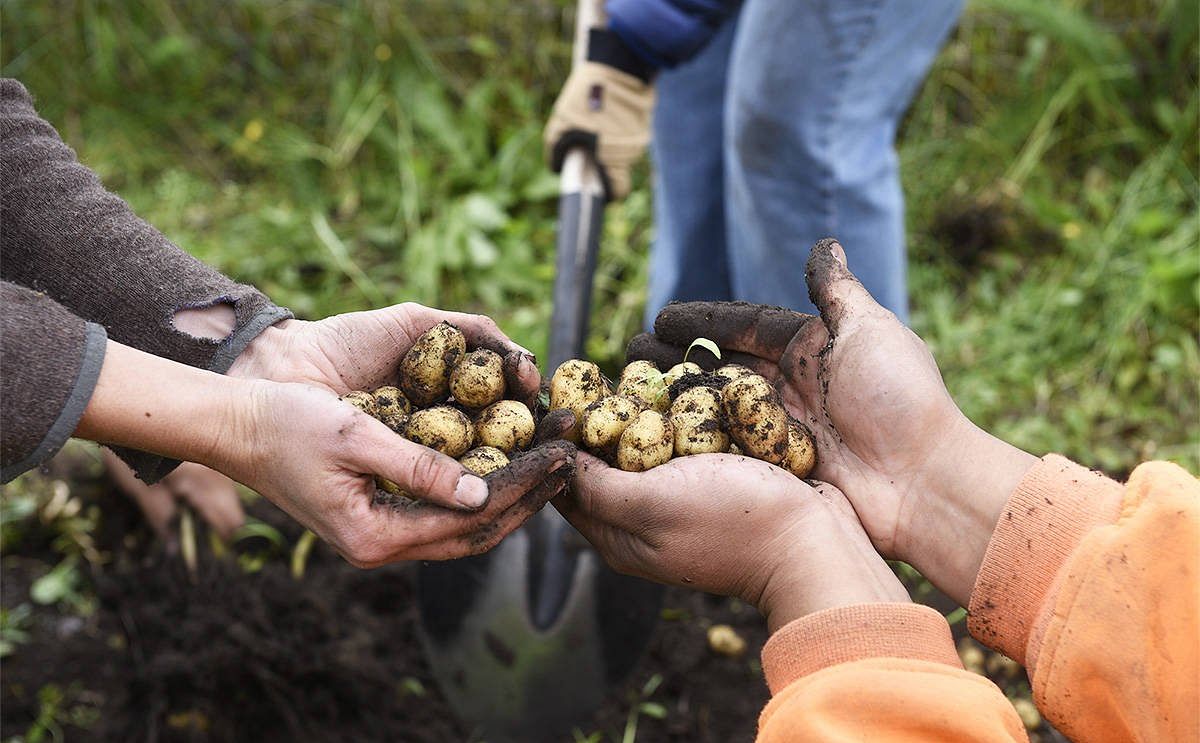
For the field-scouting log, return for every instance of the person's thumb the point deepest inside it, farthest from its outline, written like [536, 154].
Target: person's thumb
[836, 292]
[421, 472]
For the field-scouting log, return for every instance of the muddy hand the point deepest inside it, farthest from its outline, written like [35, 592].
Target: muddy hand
[730, 525]
[362, 350]
[888, 433]
[324, 457]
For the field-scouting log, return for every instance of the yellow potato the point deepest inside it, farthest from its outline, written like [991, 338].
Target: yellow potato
[675, 372]
[361, 400]
[647, 442]
[801, 454]
[483, 460]
[755, 418]
[390, 487]
[506, 425]
[392, 407]
[725, 640]
[478, 379]
[425, 369]
[575, 385]
[696, 417]
[605, 420]
[443, 428]
[1028, 712]
[733, 371]
[643, 381]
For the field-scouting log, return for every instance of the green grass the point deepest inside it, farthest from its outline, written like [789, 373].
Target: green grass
[343, 156]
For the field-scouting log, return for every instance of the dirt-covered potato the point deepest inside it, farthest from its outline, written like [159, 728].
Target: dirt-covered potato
[361, 400]
[643, 381]
[647, 442]
[605, 420]
[755, 418]
[801, 454]
[478, 379]
[392, 407]
[675, 372]
[443, 428]
[575, 385]
[389, 487]
[506, 425]
[733, 371]
[483, 460]
[697, 419]
[425, 369]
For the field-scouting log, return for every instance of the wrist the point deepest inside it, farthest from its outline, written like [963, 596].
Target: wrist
[262, 353]
[959, 501]
[160, 406]
[832, 565]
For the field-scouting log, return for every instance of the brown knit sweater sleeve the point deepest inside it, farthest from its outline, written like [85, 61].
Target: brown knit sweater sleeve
[49, 363]
[64, 235]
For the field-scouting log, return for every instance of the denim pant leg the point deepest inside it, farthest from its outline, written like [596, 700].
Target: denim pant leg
[816, 92]
[688, 258]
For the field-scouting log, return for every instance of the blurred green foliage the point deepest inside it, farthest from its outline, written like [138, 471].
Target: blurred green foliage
[345, 155]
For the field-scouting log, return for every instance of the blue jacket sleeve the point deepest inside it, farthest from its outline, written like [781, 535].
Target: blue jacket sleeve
[665, 33]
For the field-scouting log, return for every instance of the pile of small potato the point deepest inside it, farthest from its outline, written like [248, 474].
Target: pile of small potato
[654, 416]
[452, 400]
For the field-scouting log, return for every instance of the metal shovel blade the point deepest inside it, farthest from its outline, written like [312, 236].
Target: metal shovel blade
[526, 640]
[508, 680]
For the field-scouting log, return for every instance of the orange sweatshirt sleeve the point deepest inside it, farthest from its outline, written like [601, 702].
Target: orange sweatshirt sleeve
[1095, 587]
[877, 672]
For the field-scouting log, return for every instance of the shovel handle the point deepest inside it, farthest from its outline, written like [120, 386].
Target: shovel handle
[580, 222]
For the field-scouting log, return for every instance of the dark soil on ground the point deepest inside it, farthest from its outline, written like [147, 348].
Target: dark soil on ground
[238, 653]
[228, 654]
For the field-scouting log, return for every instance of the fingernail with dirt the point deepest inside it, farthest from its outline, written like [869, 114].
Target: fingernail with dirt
[471, 492]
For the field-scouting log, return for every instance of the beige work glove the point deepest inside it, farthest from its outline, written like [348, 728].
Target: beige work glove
[605, 110]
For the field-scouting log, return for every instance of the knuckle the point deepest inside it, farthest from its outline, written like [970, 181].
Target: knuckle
[424, 469]
[487, 324]
[484, 543]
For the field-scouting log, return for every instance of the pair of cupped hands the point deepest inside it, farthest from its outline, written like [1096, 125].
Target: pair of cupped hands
[901, 472]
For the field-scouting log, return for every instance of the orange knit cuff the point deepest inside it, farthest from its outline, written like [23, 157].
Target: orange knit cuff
[1053, 507]
[849, 633]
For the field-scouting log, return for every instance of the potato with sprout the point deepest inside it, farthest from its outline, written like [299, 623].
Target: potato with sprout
[679, 370]
[642, 381]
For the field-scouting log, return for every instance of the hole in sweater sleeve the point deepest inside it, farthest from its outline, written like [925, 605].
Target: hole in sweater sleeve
[214, 322]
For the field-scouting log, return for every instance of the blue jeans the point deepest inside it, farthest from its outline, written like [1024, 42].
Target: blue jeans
[782, 132]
